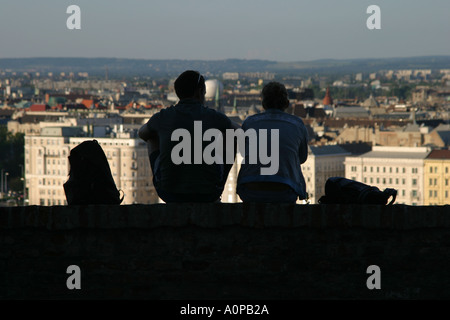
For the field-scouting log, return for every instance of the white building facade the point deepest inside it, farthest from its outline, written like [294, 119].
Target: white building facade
[400, 168]
[323, 162]
[47, 166]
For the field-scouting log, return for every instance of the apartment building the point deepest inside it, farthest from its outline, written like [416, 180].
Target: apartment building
[323, 162]
[47, 166]
[401, 168]
[437, 178]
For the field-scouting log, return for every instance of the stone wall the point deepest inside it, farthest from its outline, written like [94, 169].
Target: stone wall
[225, 251]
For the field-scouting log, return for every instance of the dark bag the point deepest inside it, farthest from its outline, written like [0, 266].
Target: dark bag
[90, 179]
[339, 190]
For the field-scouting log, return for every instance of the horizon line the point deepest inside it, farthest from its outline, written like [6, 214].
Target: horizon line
[226, 59]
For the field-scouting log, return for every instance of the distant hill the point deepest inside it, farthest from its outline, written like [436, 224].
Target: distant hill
[127, 67]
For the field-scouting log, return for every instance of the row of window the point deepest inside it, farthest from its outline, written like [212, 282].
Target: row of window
[383, 169]
[391, 169]
[434, 194]
[52, 192]
[387, 180]
[435, 169]
[434, 182]
[53, 142]
[52, 202]
[48, 182]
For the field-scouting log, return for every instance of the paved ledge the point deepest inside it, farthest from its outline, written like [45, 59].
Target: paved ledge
[220, 215]
[225, 251]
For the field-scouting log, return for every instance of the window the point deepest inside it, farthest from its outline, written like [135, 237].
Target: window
[431, 193]
[371, 180]
[403, 193]
[446, 193]
[378, 180]
[371, 169]
[446, 182]
[396, 181]
[414, 182]
[384, 180]
[365, 180]
[365, 168]
[403, 181]
[435, 193]
[435, 169]
[414, 193]
[390, 180]
[435, 182]
[431, 182]
[404, 170]
[390, 169]
[384, 169]
[446, 169]
[431, 169]
[378, 169]
[396, 170]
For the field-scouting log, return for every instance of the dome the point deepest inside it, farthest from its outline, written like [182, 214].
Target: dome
[211, 88]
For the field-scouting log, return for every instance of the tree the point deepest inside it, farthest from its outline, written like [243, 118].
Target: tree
[12, 156]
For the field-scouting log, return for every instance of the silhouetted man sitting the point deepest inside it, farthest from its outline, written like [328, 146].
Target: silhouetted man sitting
[190, 181]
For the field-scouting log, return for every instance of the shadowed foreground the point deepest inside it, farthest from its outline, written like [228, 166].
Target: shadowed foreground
[225, 251]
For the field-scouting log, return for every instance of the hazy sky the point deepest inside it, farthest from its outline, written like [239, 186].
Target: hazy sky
[281, 30]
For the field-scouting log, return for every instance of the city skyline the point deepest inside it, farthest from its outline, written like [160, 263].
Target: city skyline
[209, 30]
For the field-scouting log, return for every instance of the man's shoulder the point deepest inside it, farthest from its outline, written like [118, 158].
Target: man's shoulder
[278, 115]
[214, 114]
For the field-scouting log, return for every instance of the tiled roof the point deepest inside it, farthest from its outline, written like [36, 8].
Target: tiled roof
[439, 154]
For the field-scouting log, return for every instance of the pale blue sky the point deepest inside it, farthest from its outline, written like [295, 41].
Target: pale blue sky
[282, 30]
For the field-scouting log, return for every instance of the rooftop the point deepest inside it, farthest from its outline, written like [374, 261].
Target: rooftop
[328, 150]
[397, 152]
[439, 154]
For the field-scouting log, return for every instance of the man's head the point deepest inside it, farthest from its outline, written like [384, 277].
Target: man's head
[274, 96]
[190, 84]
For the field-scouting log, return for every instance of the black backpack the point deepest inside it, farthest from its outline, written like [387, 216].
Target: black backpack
[90, 179]
[339, 190]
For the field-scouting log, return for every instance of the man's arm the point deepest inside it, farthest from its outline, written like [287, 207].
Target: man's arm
[235, 125]
[148, 131]
[303, 152]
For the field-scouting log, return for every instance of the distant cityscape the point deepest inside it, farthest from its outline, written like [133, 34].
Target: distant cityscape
[387, 127]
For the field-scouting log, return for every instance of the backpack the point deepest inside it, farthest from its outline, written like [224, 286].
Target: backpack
[90, 179]
[339, 190]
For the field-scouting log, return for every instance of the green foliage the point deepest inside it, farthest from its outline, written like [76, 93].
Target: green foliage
[402, 91]
[12, 156]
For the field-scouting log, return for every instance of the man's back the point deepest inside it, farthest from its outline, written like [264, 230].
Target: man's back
[187, 178]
